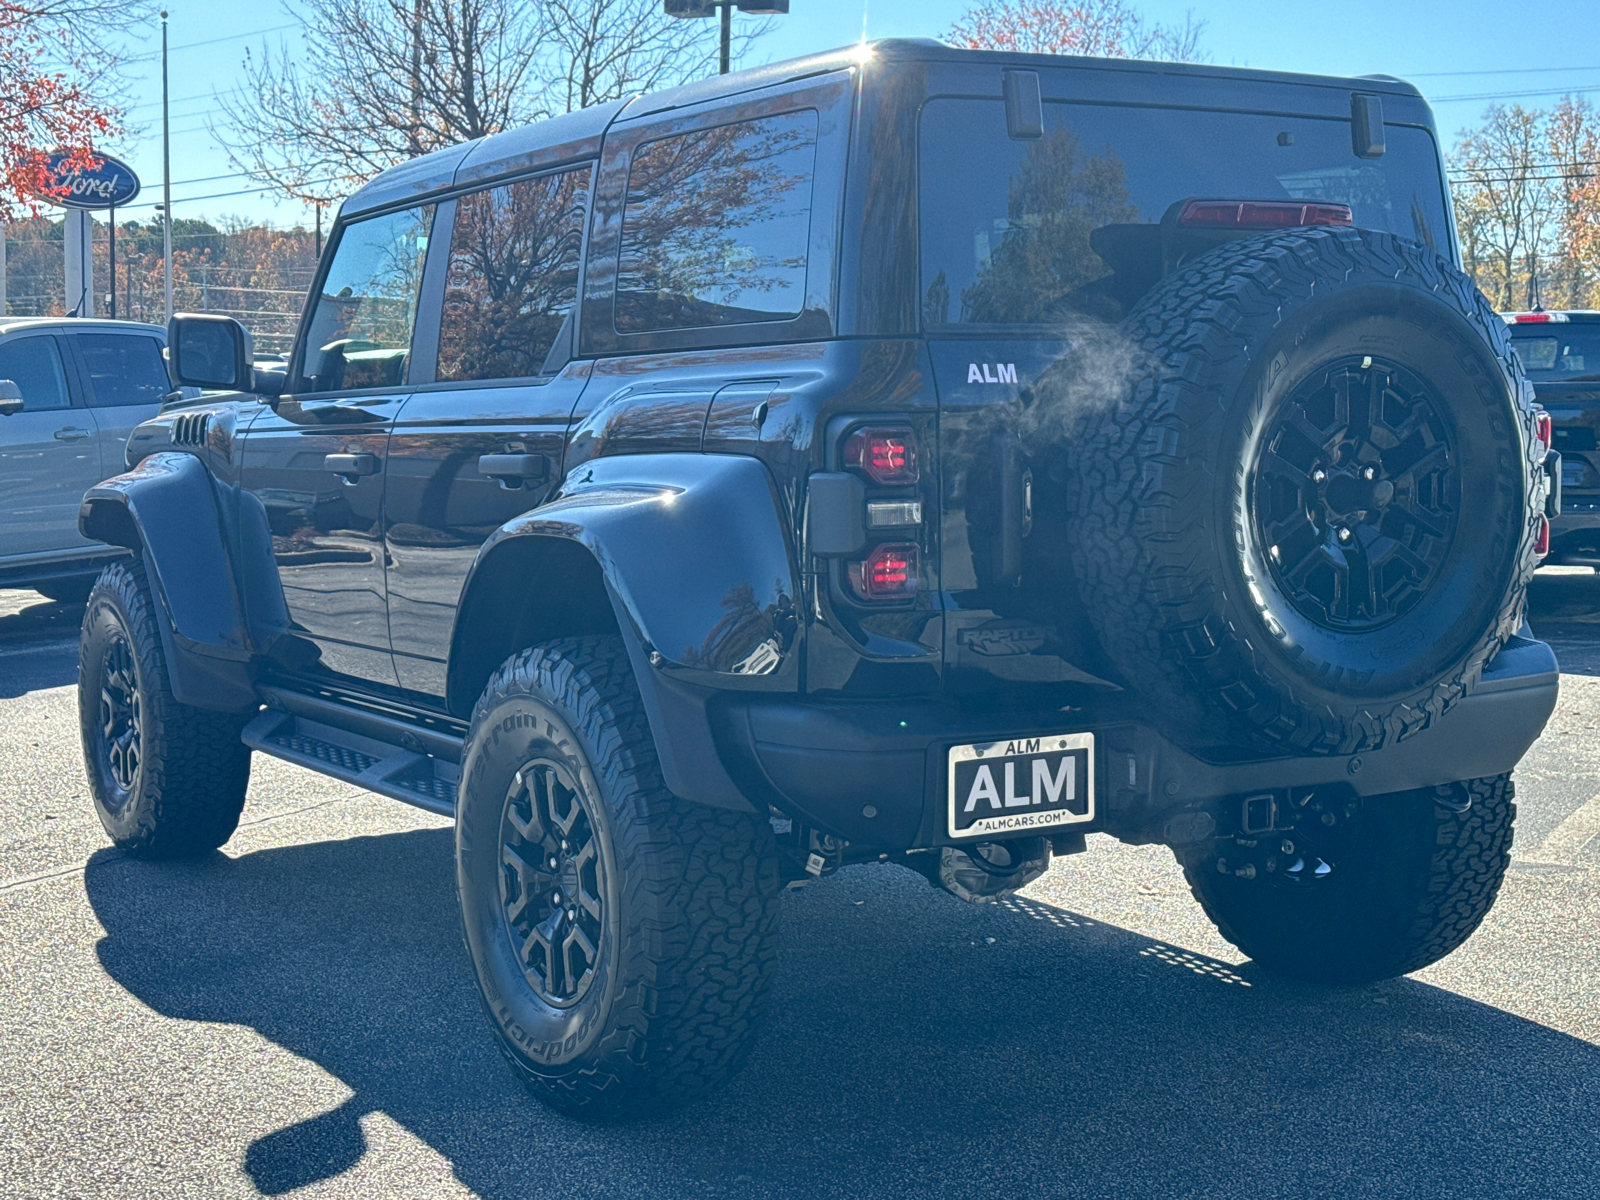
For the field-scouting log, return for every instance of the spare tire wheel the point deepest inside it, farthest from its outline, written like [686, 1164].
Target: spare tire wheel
[1310, 520]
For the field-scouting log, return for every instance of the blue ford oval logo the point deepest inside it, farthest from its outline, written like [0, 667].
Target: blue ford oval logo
[111, 185]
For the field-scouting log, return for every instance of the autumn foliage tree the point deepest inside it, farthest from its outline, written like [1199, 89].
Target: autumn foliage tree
[1105, 28]
[58, 89]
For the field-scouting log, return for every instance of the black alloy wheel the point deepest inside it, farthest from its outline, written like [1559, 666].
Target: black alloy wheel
[121, 741]
[1356, 494]
[552, 884]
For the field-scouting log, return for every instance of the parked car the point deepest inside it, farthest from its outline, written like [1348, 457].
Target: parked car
[81, 387]
[1560, 350]
[904, 455]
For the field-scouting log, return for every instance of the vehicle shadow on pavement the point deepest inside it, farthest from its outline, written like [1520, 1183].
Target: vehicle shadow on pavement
[917, 1046]
[32, 630]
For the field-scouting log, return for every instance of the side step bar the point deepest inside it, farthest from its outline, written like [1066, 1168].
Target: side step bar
[402, 769]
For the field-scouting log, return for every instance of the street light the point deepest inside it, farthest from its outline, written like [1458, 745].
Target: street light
[708, 8]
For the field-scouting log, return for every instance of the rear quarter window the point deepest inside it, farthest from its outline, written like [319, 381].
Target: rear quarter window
[716, 226]
[1008, 227]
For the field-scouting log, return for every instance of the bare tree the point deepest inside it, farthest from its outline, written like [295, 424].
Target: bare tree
[1527, 204]
[381, 81]
[1108, 28]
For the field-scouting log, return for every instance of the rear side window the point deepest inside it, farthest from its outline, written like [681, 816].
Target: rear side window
[513, 278]
[34, 365]
[123, 369]
[360, 331]
[716, 227]
[1022, 232]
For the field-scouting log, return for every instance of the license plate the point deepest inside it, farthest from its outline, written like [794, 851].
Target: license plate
[1021, 785]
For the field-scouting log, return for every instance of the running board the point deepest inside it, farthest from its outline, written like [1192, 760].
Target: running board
[425, 780]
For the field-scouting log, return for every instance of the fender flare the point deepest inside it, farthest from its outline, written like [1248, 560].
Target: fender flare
[696, 560]
[166, 511]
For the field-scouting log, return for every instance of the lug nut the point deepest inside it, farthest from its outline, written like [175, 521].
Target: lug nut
[1344, 534]
[1287, 847]
[555, 899]
[572, 914]
[1369, 472]
[565, 847]
[1248, 871]
[1328, 818]
[1319, 476]
[555, 863]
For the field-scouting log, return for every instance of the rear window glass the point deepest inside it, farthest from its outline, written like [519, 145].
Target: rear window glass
[717, 226]
[1551, 353]
[124, 369]
[513, 278]
[1008, 227]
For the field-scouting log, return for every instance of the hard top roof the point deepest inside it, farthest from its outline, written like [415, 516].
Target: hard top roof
[80, 324]
[572, 134]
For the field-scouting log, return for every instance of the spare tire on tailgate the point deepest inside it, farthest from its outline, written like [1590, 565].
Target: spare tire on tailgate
[1311, 520]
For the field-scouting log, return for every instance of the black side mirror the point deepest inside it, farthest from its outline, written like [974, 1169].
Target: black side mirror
[208, 351]
[10, 398]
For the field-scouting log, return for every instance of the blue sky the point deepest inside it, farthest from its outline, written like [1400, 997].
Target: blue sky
[1463, 54]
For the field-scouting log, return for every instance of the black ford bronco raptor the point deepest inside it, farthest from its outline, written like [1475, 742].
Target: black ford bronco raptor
[899, 455]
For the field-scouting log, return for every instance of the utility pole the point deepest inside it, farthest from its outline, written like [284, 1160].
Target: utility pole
[709, 8]
[166, 170]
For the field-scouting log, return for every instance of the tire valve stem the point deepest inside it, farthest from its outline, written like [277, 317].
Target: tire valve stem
[1319, 476]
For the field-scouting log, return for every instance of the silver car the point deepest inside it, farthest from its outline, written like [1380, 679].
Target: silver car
[79, 389]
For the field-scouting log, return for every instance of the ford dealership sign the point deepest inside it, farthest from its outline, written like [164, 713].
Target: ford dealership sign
[111, 185]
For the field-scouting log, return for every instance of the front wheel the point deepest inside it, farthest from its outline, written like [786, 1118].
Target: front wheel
[623, 939]
[168, 781]
[1362, 890]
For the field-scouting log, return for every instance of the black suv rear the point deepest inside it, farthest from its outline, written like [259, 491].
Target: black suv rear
[902, 455]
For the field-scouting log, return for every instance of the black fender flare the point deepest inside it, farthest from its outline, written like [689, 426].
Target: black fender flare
[696, 559]
[166, 511]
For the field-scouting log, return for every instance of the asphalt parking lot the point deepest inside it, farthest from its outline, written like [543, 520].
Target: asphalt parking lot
[295, 1015]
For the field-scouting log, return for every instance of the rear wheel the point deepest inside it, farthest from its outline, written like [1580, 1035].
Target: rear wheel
[624, 940]
[1353, 891]
[167, 780]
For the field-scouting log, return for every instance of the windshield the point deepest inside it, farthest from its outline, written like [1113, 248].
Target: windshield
[1552, 353]
[1027, 231]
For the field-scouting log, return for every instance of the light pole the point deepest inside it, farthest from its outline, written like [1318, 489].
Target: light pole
[708, 8]
[166, 171]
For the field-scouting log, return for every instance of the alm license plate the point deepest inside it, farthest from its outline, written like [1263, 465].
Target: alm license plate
[1021, 785]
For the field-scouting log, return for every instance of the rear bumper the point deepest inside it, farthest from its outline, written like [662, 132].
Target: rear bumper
[831, 763]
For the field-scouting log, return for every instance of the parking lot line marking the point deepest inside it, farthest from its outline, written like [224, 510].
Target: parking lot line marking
[1567, 840]
[39, 648]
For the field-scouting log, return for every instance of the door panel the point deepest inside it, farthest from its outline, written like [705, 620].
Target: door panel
[127, 382]
[48, 453]
[327, 534]
[439, 508]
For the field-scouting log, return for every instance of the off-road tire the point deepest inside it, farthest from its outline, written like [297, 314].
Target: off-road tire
[184, 788]
[680, 980]
[1428, 870]
[1181, 592]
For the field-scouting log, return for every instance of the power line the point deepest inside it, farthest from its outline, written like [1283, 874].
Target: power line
[1566, 91]
[1497, 71]
[232, 37]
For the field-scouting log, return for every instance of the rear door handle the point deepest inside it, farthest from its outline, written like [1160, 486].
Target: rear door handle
[513, 470]
[71, 433]
[351, 466]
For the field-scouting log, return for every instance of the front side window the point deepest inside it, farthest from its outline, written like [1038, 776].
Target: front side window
[1033, 231]
[717, 225]
[34, 365]
[124, 369]
[360, 331]
[513, 278]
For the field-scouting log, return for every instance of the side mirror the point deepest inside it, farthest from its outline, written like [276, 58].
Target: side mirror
[208, 351]
[10, 398]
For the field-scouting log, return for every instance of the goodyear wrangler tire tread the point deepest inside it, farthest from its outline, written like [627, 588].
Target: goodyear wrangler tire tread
[696, 943]
[193, 772]
[1145, 522]
[1441, 871]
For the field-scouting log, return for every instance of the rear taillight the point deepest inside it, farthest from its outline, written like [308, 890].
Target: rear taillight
[1541, 540]
[887, 456]
[1262, 214]
[888, 573]
[1544, 429]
